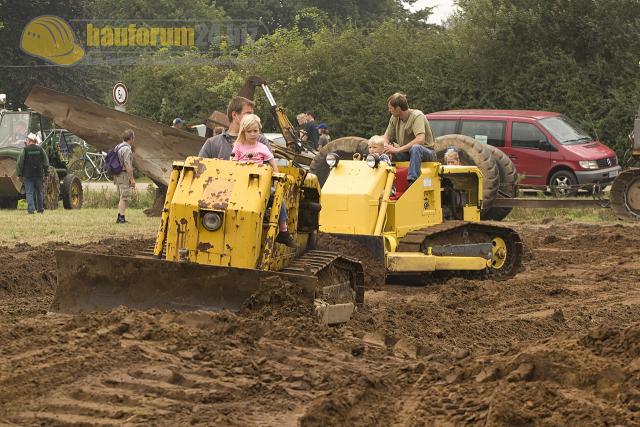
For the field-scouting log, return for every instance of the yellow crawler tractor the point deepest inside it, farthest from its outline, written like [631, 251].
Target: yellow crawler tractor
[431, 225]
[216, 247]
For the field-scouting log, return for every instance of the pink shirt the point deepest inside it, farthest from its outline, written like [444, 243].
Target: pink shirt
[258, 153]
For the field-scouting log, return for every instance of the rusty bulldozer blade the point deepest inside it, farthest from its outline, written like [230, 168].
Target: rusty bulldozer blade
[88, 282]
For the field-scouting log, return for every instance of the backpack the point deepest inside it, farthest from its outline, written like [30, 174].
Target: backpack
[112, 164]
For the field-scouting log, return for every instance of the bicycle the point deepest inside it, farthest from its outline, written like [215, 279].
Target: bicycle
[89, 167]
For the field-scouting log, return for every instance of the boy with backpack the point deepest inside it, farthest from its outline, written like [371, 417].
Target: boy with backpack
[119, 165]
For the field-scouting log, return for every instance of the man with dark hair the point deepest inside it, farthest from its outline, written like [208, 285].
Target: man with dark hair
[32, 166]
[311, 131]
[410, 130]
[125, 180]
[220, 146]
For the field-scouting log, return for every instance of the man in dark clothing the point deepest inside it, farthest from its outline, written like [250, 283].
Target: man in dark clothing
[220, 146]
[32, 167]
[312, 135]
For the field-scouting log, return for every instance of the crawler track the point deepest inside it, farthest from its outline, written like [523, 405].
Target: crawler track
[338, 275]
[460, 232]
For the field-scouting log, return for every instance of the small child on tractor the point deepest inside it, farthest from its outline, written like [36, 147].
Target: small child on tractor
[247, 149]
[451, 157]
[376, 147]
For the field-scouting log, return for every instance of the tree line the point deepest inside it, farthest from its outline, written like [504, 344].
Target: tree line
[341, 59]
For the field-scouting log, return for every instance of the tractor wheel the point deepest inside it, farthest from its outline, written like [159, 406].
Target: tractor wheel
[344, 147]
[507, 188]
[7, 203]
[473, 153]
[625, 195]
[51, 190]
[71, 192]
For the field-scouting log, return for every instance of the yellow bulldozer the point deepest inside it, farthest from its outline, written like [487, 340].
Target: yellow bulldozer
[431, 225]
[216, 247]
[216, 244]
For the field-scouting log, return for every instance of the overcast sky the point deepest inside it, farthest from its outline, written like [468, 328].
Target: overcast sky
[442, 10]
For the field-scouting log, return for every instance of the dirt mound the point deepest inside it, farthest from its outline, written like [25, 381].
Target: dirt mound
[373, 264]
[555, 345]
[28, 274]
[609, 341]
[277, 298]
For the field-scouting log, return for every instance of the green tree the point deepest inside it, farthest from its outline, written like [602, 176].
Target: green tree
[578, 57]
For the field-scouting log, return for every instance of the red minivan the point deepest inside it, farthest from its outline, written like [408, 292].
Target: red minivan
[547, 148]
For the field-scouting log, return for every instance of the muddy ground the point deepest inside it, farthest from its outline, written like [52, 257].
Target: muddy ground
[558, 345]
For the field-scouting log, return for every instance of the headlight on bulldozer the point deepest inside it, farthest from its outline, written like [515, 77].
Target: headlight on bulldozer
[212, 221]
[372, 160]
[588, 164]
[332, 160]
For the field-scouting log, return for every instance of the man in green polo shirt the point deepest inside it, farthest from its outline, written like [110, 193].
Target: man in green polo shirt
[410, 130]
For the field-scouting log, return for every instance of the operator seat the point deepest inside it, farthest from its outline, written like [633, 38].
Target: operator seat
[400, 183]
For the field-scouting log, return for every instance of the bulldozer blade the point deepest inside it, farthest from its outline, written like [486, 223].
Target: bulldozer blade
[88, 282]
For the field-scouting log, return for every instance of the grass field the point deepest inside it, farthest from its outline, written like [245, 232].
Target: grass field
[74, 226]
[96, 220]
[583, 215]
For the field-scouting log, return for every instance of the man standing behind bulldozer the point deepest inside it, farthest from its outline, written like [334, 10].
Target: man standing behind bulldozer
[125, 180]
[410, 130]
[32, 167]
[220, 146]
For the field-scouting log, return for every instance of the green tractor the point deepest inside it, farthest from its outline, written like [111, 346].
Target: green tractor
[60, 184]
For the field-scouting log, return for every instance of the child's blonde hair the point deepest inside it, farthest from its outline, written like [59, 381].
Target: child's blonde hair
[248, 121]
[451, 154]
[376, 142]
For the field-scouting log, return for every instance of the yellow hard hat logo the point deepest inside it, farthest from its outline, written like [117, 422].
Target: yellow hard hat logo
[52, 39]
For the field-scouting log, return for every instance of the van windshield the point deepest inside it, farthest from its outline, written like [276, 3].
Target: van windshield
[565, 130]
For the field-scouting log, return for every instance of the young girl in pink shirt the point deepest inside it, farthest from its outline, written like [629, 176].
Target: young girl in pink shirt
[247, 149]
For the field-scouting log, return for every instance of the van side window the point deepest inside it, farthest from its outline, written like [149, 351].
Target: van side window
[442, 127]
[526, 135]
[485, 131]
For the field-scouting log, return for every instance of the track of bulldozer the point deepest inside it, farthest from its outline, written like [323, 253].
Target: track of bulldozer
[625, 195]
[338, 275]
[460, 232]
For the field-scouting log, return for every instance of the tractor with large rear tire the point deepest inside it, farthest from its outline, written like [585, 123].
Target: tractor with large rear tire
[59, 183]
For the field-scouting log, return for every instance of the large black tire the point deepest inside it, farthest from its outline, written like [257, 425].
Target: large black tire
[71, 192]
[52, 190]
[344, 147]
[8, 203]
[507, 187]
[473, 153]
[625, 195]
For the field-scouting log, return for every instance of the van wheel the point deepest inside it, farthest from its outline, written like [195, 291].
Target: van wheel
[507, 187]
[344, 147]
[563, 184]
[473, 153]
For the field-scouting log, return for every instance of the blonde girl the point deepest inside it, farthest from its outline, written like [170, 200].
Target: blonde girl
[247, 149]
